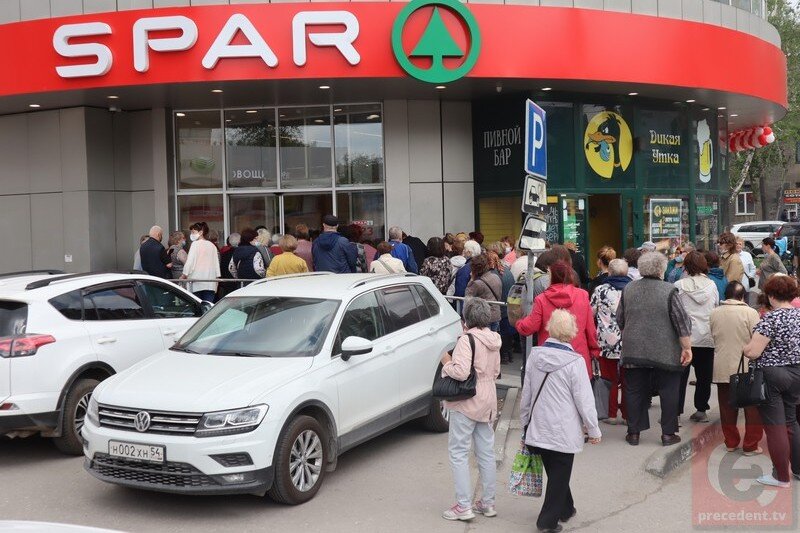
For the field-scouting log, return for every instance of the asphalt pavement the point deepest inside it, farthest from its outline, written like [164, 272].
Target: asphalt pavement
[399, 482]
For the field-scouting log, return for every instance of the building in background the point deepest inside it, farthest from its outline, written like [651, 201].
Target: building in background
[120, 114]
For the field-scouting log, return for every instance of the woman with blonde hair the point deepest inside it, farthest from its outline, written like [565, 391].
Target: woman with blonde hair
[605, 255]
[177, 253]
[262, 243]
[287, 262]
[557, 403]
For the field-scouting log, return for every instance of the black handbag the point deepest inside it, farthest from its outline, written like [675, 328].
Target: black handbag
[447, 388]
[748, 388]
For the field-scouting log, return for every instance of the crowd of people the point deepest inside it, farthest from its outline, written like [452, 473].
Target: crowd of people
[641, 323]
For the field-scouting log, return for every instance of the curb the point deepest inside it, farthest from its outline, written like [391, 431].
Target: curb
[504, 425]
[664, 462]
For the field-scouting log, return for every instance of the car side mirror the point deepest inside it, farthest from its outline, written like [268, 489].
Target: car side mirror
[355, 346]
[206, 306]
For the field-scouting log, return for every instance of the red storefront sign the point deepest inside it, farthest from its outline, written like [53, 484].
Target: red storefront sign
[791, 196]
[353, 40]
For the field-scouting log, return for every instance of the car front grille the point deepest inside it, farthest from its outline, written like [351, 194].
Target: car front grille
[161, 423]
[180, 475]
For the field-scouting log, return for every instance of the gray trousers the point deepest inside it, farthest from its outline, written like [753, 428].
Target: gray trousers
[463, 432]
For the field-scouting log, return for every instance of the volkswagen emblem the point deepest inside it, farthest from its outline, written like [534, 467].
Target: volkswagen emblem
[142, 421]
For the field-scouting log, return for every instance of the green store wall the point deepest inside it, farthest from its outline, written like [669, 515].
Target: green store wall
[627, 151]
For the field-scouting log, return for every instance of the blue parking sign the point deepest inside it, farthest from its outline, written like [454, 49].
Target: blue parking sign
[535, 140]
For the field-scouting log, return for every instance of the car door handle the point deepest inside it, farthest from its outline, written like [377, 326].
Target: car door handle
[388, 350]
[106, 340]
[168, 332]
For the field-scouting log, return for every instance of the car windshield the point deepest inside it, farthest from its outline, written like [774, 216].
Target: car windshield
[261, 327]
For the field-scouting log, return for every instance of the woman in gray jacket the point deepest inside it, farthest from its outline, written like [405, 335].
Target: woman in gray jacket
[557, 403]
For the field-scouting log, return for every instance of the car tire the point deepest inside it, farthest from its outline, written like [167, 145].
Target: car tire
[301, 453]
[438, 419]
[74, 412]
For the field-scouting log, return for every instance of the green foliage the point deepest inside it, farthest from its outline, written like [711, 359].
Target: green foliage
[777, 157]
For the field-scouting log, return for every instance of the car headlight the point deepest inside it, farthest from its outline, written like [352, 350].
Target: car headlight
[93, 411]
[231, 422]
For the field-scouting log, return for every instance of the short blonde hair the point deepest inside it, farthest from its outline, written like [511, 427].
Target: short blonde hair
[288, 243]
[562, 326]
[264, 237]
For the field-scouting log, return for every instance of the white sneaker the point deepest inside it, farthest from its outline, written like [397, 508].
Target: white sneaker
[757, 451]
[772, 482]
[457, 512]
[488, 511]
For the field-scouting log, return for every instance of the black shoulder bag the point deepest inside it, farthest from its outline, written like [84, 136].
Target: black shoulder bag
[748, 388]
[447, 388]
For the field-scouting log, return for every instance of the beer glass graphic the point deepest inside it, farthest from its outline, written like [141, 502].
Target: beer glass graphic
[706, 152]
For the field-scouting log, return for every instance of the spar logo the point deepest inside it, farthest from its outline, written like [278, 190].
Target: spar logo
[436, 41]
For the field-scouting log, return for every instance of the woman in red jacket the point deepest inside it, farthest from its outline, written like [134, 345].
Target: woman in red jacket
[562, 294]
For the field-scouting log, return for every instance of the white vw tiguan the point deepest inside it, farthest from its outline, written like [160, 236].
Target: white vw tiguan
[61, 334]
[265, 391]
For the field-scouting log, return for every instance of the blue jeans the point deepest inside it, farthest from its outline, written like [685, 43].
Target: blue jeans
[207, 296]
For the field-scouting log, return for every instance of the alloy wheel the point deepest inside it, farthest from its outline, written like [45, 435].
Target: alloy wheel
[81, 408]
[305, 463]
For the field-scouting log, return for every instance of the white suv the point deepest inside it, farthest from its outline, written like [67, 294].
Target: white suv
[272, 385]
[752, 233]
[62, 334]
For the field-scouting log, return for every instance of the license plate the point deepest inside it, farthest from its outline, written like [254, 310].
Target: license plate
[140, 452]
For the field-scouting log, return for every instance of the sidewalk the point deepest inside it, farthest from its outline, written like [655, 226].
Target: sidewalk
[607, 479]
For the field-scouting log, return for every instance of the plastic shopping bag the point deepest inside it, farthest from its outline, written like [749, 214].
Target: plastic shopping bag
[526, 474]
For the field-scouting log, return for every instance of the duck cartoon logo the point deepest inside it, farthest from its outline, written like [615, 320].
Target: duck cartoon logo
[608, 144]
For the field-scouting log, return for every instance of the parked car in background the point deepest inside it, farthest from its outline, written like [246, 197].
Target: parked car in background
[754, 232]
[266, 391]
[62, 334]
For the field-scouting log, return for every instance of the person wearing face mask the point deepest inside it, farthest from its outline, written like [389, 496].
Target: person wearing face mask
[202, 263]
[177, 253]
[678, 272]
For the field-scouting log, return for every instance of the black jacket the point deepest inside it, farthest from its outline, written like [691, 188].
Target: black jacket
[418, 248]
[579, 265]
[155, 259]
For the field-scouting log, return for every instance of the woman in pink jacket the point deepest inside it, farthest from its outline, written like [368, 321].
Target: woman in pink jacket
[471, 419]
[563, 295]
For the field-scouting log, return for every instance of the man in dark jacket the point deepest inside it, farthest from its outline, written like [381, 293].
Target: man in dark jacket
[579, 264]
[155, 259]
[401, 251]
[331, 252]
[417, 247]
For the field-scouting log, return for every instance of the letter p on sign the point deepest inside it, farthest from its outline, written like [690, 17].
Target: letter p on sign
[535, 140]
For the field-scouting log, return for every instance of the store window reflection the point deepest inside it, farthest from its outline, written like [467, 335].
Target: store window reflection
[251, 152]
[248, 211]
[365, 209]
[306, 144]
[199, 149]
[206, 208]
[706, 222]
[307, 209]
[358, 134]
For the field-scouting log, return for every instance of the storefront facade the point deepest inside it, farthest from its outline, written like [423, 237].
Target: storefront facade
[120, 115]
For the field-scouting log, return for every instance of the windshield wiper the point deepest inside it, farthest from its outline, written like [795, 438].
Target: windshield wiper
[242, 354]
[182, 349]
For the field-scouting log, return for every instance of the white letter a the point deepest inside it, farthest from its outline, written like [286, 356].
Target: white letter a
[222, 46]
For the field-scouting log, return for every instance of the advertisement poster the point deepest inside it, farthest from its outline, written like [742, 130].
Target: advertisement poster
[665, 219]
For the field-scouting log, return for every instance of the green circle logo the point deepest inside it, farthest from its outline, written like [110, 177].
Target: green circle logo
[437, 42]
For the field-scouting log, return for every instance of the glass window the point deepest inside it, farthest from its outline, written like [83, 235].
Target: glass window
[307, 209]
[202, 208]
[169, 303]
[706, 231]
[251, 153]
[70, 305]
[305, 141]
[745, 204]
[13, 318]
[113, 303]
[270, 326]
[364, 208]
[358, 131]
[362, 319]
[401, 308]
[251, 211]
[606, 132]
[664, 227]
[430, 303]
[199, 149]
